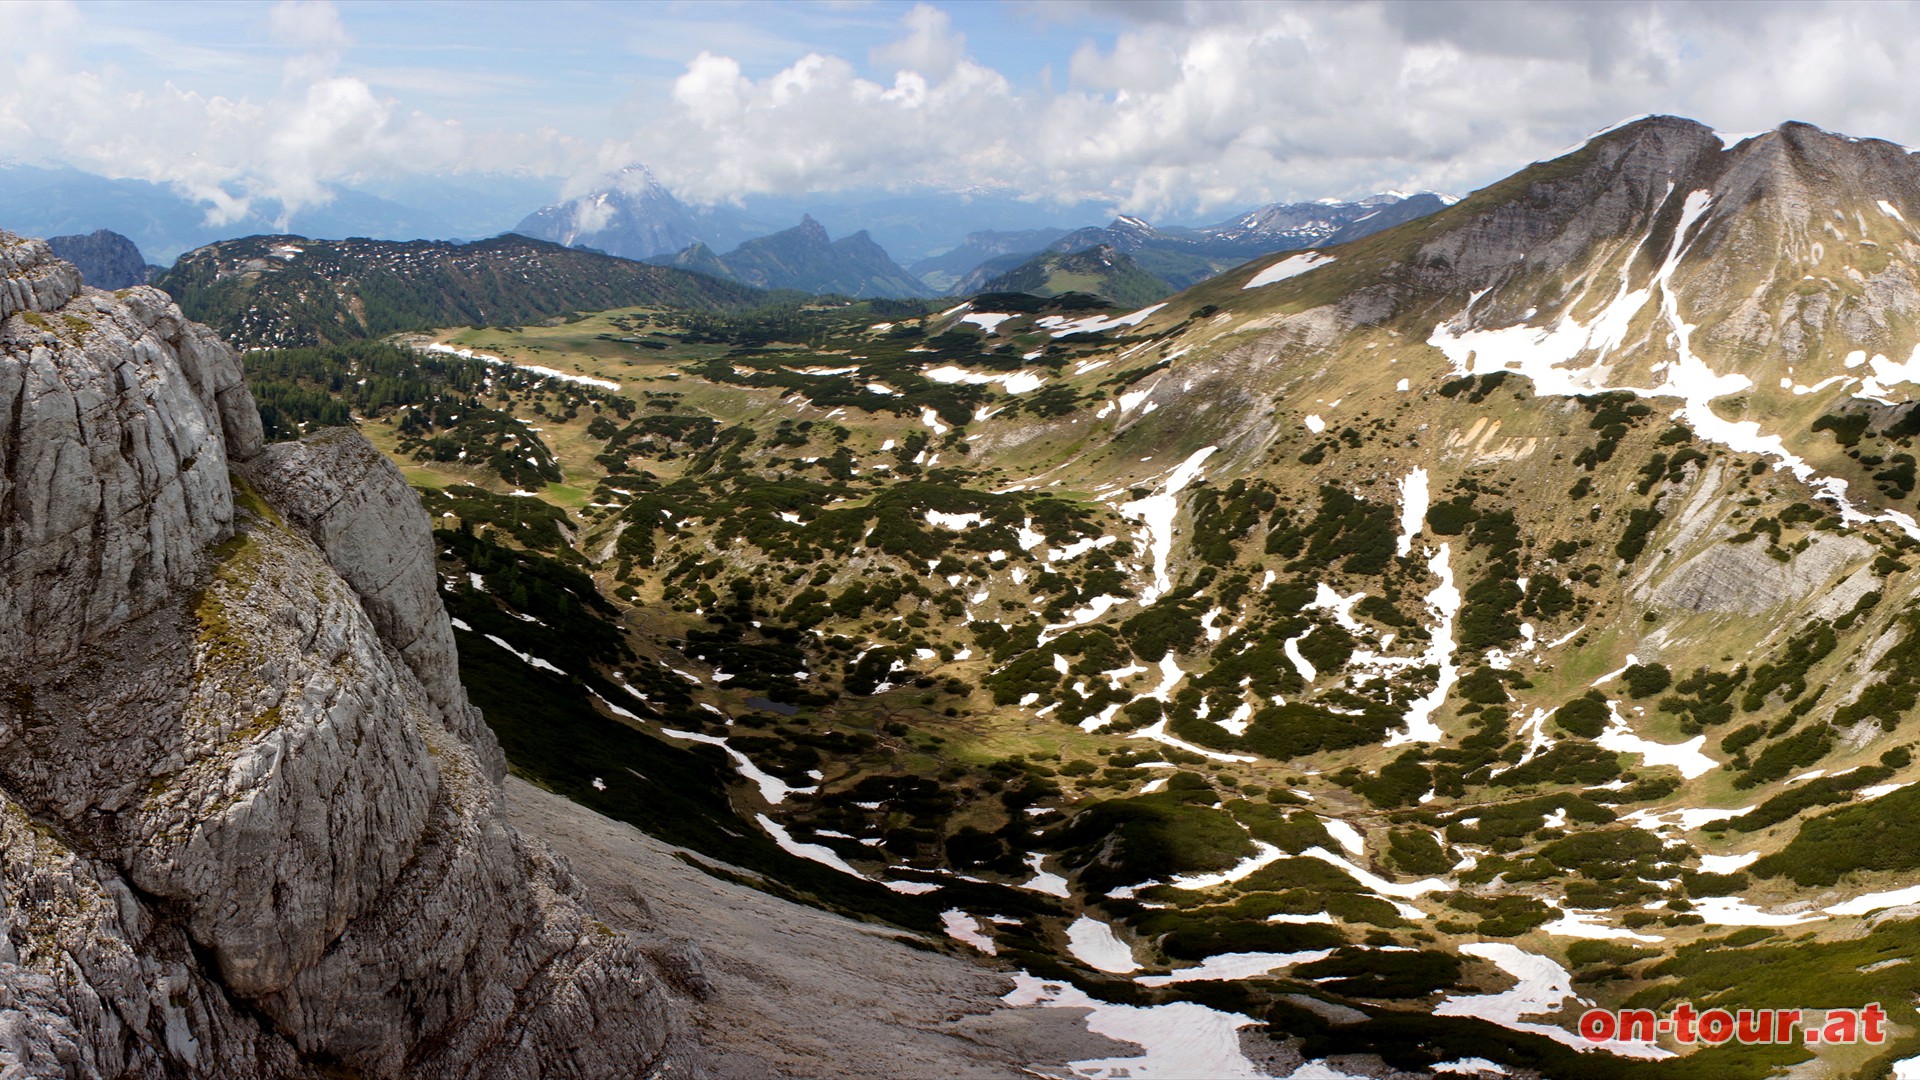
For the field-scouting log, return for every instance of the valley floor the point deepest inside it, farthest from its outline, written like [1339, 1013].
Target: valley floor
[802, 992]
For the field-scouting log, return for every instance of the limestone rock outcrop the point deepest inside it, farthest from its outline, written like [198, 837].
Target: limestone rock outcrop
[105, 259]
[354, 503]
[249, 824]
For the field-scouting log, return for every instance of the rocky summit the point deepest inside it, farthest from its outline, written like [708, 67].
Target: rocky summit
[250, 825]
[105, 259]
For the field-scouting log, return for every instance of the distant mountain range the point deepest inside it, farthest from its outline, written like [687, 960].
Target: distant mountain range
[985, 250]
[37, 201]
[805, 258]
[633, 216]
[289, 290]
[1183, 257]
[636, 217]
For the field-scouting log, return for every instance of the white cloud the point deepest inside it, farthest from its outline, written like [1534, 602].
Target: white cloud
[337, 129]
[309, 24]
[312, 29]
[1211, 106]
[1170, 108]
[231, 154]
[931, 47]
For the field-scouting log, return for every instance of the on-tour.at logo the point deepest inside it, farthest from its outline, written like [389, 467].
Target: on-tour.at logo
[1712, 1027]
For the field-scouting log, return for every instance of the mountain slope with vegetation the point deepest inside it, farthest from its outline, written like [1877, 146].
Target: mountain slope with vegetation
[1098, 271]
[288, 290]
[1523, 592]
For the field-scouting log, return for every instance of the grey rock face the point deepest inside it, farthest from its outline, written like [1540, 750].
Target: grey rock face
[634, 218]
[250, 825]
[91, 984]
[1744, 578]
[1619, 188]
[31, 279]
[104, 258]
[355, 504]
[115, 476]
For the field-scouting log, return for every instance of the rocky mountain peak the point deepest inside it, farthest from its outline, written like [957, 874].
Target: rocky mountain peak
[630, 215]
[637, 177]
[805, 257]
[31, 279]
[104, 258]
[861, 242]
[251, 824]
[106, 506]
[810, 230]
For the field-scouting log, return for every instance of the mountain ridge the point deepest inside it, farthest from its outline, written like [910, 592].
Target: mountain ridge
[1099, 271]
[1183, 257]
[327, 291]
[805, 258]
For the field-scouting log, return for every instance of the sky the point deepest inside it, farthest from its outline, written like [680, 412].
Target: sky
[1164, 108]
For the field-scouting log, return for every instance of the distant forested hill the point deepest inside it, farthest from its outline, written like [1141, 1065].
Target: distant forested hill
[288, 290]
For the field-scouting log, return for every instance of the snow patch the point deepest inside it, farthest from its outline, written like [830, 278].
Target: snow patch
[532, 661]
[500, 361]
[1544, 988]
[1155, 514]
[1264, 854]
[986, 320]
[1733, 911]
[819, 853]
[1444, 600]
[772, 788]
[1094, 944]
[1470, 1065]
[1097, 323]
[1685, 756]
[1414, 499]
[1180, 1040]
[1866, 902]
[953, 521]
[1727, 864]
[1286, 268]
[1586, 924]
[1044, 881]
[966, 929]
[1349, 837]
[1014, 382]
[1233, 966]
